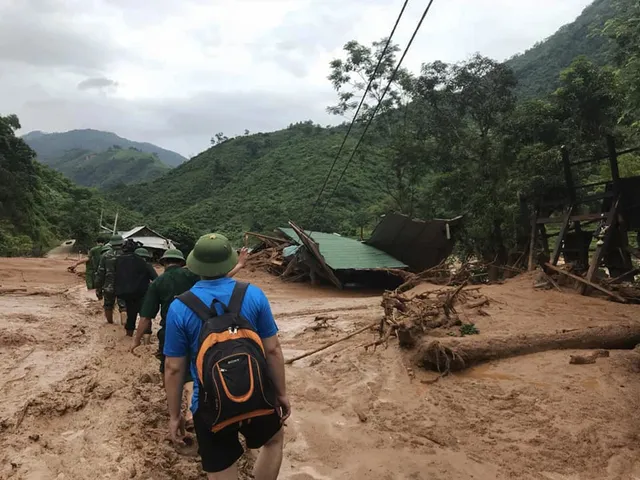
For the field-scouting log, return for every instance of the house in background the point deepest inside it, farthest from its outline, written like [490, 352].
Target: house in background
[151, 240]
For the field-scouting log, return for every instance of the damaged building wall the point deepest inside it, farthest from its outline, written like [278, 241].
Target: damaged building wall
[418, 243]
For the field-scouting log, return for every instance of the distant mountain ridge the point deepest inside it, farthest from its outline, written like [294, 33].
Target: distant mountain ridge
[115, 166]
[52, 146]
[538, 69]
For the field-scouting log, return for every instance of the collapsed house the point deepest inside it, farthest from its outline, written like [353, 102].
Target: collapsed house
[594, 220]
[397, 246]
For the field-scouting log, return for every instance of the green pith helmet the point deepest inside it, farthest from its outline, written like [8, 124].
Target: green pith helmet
[116, 240]
[172, 254]
[142, 252]
[212, 256]
[105, 248]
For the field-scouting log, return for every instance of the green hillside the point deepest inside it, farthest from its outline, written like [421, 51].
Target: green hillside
[258, 182]
[451, 139]
[40, 207]
[538, 68]
[109, 168]
[52, 146]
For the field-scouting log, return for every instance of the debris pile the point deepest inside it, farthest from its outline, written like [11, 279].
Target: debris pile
[424, 308]
[555, 276]
[398, 245]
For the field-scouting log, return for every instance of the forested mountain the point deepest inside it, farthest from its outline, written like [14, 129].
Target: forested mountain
[259, 182]
[39, 207]
[52, 146]
[537, 69]
[111, 167]
[451, 139]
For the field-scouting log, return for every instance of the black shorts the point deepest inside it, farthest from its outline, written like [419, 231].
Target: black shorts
[218, 451]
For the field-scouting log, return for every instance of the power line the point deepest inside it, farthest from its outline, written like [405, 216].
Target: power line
[355, 116]
[415, 32]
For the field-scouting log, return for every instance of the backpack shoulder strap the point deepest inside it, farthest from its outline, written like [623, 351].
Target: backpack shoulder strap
[196, 305]
[237, 297]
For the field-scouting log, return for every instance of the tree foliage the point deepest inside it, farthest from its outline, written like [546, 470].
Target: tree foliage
[38, 206]
[476, 137]
[183, 236]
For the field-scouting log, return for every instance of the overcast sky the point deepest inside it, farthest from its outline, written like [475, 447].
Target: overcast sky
[176, 72]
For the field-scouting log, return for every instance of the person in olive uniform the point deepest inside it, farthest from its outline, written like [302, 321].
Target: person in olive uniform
[175, 280]
[92, 262]
[105, 280]
[134, 273]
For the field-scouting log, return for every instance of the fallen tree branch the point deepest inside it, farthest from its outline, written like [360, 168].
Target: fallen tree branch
[586, 282]
[452, 354]
[330, 344]
[552, 281]
[379, 341]
[477, 303]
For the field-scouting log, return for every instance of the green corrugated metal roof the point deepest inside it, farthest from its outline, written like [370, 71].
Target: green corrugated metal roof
[342, 253]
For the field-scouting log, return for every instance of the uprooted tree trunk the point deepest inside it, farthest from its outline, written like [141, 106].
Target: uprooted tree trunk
[444, 355]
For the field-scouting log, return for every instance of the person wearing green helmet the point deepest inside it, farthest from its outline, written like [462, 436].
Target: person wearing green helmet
[143, 253]
[247, 350]
[134, 274]
[175, 280]
[105, 280]
[92, 262]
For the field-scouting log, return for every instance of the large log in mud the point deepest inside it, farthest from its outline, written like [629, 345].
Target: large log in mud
[450, 354]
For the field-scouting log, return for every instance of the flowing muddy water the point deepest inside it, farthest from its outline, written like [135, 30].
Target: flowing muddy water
[75, 404]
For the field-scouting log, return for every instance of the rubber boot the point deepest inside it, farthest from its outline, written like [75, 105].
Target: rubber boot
[108, 314]
[146, 339]
[129, 333]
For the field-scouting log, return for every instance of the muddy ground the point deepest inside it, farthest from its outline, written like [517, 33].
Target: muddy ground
[75, 404]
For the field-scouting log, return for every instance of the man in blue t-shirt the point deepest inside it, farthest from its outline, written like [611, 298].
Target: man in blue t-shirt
[212, 259]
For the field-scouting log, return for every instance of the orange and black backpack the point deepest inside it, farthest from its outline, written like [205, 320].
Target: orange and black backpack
[233, 377]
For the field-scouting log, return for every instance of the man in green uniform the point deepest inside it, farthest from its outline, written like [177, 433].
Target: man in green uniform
[92, 263]
[105, 280]
[134, 274]
[175, 280]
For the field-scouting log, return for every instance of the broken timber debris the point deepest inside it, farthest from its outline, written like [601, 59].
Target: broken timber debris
[297, 255]
[586, 282]
[330, 344]
[410, 314]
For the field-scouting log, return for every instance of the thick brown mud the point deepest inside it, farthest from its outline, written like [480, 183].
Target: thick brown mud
[75, 404]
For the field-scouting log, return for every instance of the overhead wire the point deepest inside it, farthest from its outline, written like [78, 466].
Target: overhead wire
[371, 117]
[362, 100]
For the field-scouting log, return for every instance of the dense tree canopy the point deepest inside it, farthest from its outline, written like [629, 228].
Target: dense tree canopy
[38, 206]
[448, 139]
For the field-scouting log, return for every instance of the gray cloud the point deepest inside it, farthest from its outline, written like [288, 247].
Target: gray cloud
[181, 124]
[97, 82]
[57, 57]
[47, 34]
[305, 33]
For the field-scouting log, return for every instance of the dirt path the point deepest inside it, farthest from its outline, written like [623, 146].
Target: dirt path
[75, 404]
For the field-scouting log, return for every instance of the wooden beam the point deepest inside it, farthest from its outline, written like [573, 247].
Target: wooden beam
[533, 241]
[575, 218]
[563, 232]
[586, 282]
[600, 249]
[613, 163]
[631, 272]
